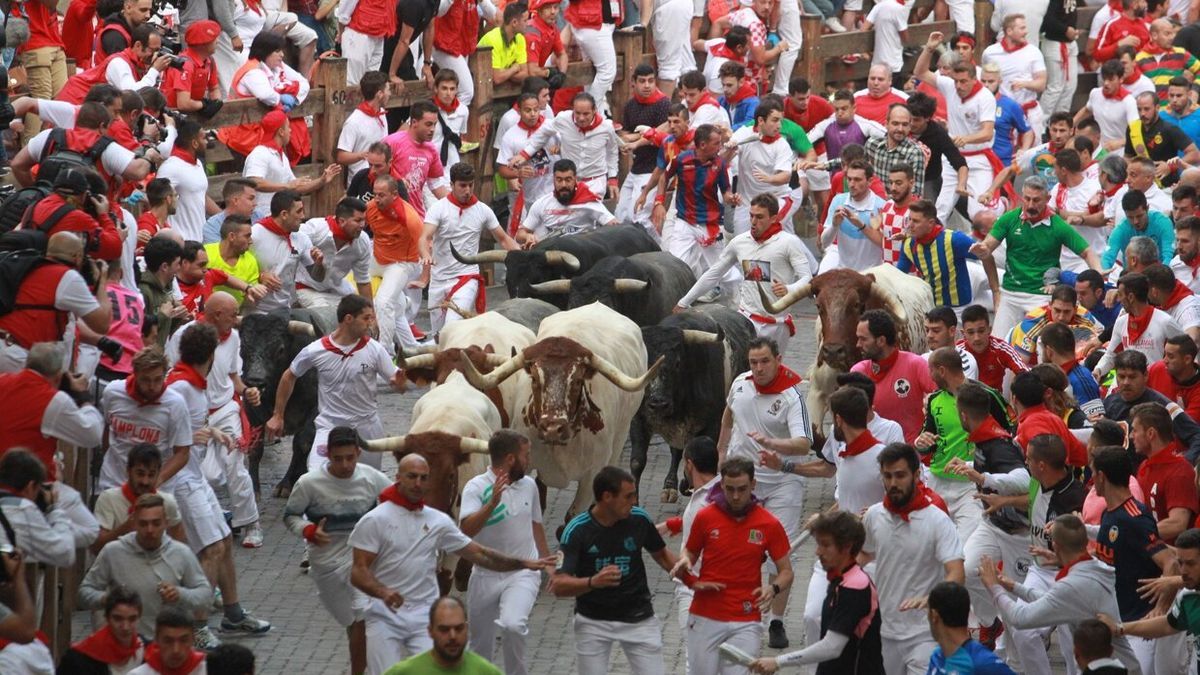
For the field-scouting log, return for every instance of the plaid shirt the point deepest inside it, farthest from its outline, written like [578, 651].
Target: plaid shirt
[884, 159]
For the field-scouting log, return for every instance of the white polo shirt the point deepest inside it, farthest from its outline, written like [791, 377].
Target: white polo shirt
[352, 258]
[347, 391]
[227, 361]
[189, 476]
[359, 131]
[165, 423]
[548, 217]
[1021, 64]
[460, 227]
[191, 184]
[1113, 116]
[769, 158]
[279, 257]
[965, 117]
[406, 545]
[595, 151]
[782, 415]
[271, 166]
[115, 159]
[510, 527]
[889, 18]
[909, 561]
[542, 161]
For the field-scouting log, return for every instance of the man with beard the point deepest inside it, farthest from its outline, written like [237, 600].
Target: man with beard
[894, 216]
[585, 137]
[1180, 109]
[941, 256]
[571, 209]
[1177, 376]
[1165, 144]
[185, 169]
[901, 378]
[1186, 263]
[114, 506]
[281, 249]
[1132, 390]
[162, 201]
[325, 505]
[914, 546]
[730, 538]
[1142, 328]
[448, 628]
[500, 509]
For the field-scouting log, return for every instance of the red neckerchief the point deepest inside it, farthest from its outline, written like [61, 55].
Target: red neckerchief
[763, 138]
[104, 647]
[274, 228]
[1153, 49]
[154, 660]
[1178, 293]
[529, 130]
[1111, 193]
[225, 336]
[270, 143]
[327, 343]
[583, 194]
[1069, 366]
[989, 430]
[127, 493]
[187, 373]
[774, 229]
[336, 230]
[1137, 75]
[596, 120]
[186, 156]
[1139, 323]
[378, 115]
[463, 207]
[391, 494]
[448, 109]
[131, 390]
[747, 90]
[706, 99]
[1040, 217]
[255, 6]
[784, 378]
[879, 369]
[654, 97]
[1067, 568]
[1009, 46]
[723, 51]
[858, 446]
[933, 234]
[974, 90]
[682, 143]
[1122, 92]
[922, 497]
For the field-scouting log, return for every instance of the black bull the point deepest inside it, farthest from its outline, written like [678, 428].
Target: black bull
[644, 287]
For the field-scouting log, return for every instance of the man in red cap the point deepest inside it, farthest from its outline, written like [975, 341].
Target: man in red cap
[194, 88]
[267, 165]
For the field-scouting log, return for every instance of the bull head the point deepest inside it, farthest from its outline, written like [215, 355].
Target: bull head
[466, 445]
[598, 363]
[778, 305]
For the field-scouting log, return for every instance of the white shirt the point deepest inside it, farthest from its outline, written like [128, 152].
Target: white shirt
[510, 527]
[457, 121]
[1186, 274]
[406, 545]
[120, 75]
[1100, 19]
[1142, 85]
[1186, 312]
[352, 258]
[1063, 198]
[347, 392]
[191, 184]
[264, 84]
[712, 65]
[165, 423]
[969, 364]
[358, 133]
[58, 113]
[709, 113]
[276, 256]
[112, 509]
[857, 482]
[909, 561]
[785, 253]
[889, 18]
[1021, 64]
[594, 151]
[782, 415]
[82, 426]
[509, 120]
[189, 476]
[227, 362]
[271, 166]
[547, 217]
[769, 158]
[1150, 343]
[1112, 116]
[964, 118]
[460, 228]
[542, 161]
[114, 159]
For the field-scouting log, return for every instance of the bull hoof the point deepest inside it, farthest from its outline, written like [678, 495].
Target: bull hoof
[670, 495]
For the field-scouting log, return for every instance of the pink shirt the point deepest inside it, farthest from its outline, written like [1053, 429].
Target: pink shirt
[126, 327]
[900, 392]
[1093, 504]
[415, 163]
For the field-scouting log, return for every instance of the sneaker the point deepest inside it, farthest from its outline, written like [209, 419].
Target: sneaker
[777, 635]
[248, 625]
[710, 296]
[254, 536]
[416, 332]
[205, 640]
[468, 146]
[304, 563]
[834, 25]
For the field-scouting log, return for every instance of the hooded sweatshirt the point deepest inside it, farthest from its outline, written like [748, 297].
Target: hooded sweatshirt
[124, 561]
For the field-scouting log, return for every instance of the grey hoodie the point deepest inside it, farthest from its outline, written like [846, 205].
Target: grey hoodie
[125, 562]
[1086, 590]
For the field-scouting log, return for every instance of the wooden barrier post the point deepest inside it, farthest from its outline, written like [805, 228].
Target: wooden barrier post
[327, 126]
[630, 49]
[983, 27]
[811, 63]
[480, 64]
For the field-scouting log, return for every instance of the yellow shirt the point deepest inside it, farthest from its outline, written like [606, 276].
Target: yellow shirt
[504, 55]
[245, 269]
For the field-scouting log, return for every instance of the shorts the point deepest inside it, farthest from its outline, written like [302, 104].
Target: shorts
[203, 519]
[343, 601]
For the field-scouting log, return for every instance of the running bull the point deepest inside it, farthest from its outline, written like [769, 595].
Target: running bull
[644, 287]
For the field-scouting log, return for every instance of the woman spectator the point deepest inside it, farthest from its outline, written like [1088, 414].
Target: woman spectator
[252, 19]
[277, 86]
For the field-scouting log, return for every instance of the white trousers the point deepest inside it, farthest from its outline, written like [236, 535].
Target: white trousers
[907, 657]
[777, 331]
[704, 636]
[630, 189]
[319, 453]
[203, 519]
[818, 586]
[641, 642]
[466, 81]
[785, 501]
[1060, 86]
[683, 240]
[363, 53]
[959, 496]
[298, 34]
[1029, 642]
[597, 45]
[1010, 550]
[962, 12]
[1162, 656]
[672, 43]
[683, 612]
[1014, 305]
[309, 298]
[395, 636]
[231, 463]
[979, 179]
[789, 30]
[392, 304]
[227, 61]
[463, 298]
[502, 600]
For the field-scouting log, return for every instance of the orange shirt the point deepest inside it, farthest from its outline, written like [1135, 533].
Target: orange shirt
[731, 552]
[396, 234]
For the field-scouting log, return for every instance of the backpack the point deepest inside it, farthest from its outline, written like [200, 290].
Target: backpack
[16, 206]
[27, 236]
[14, 267]
[56, 156]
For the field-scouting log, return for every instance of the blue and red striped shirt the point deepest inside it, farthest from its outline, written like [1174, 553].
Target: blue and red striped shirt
[698, 188]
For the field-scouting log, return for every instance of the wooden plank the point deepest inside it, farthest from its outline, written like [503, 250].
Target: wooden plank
[217, 183]
[983, 19]
[250, 111]
[327, 126]
[835, 46]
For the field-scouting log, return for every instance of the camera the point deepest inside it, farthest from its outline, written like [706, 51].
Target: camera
[177, 61]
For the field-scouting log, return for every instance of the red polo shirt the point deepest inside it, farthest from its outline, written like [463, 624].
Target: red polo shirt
[732, 552]
[1169, 482]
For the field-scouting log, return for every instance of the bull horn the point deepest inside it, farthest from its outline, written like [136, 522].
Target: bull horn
[473, 445]
[492, 256]
[419, 361]
[563, 258]
[301, 328]
[389, 444]
[778, 305]
[494, 378]
[550, 287]
[496, 360]
[700, 337]
[609, 370]
[889, 301]
[630, 285]
[420, 350]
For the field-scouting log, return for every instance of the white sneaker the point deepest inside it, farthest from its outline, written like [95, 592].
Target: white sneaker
[254, 536]
[205, 640]
[710, 296]
[834, 25]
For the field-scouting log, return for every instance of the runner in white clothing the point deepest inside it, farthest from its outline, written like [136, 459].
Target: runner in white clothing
[456, 222]
[280, 247]
[185, 169]
[1112, 105]
[1140, 327]
[533, 180]
[586, 138]
[365, 125]
[1070, 199]
[765, 163]
[572, 208]
[345, 251]
[348, 362]
[941, 330]
[1022, 68]
[500, 508]
[703, 107]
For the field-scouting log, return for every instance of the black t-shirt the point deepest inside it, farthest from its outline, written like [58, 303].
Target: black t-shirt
[851, 608]
[418, 14]
[645, 158]
[1128, 540]
[588, 547]
[1163, 140]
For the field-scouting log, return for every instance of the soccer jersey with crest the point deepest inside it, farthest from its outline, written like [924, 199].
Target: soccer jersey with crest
[782, 415]
[347, 373]
[588, 547]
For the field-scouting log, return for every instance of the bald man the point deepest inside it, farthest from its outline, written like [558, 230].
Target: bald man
[396, 547]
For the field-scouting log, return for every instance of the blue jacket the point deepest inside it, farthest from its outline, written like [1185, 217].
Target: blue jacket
[1159, 228]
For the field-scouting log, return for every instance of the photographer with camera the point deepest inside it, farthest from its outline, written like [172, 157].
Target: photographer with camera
[128, 70]
[194, 88]
[73, 207]
[47, 531]
[51, 290]
[116, 30]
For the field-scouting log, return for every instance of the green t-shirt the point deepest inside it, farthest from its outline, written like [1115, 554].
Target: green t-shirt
[423, 664]
[794, 134]
[941, 418]
[1185, 614]
[1033, 249]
